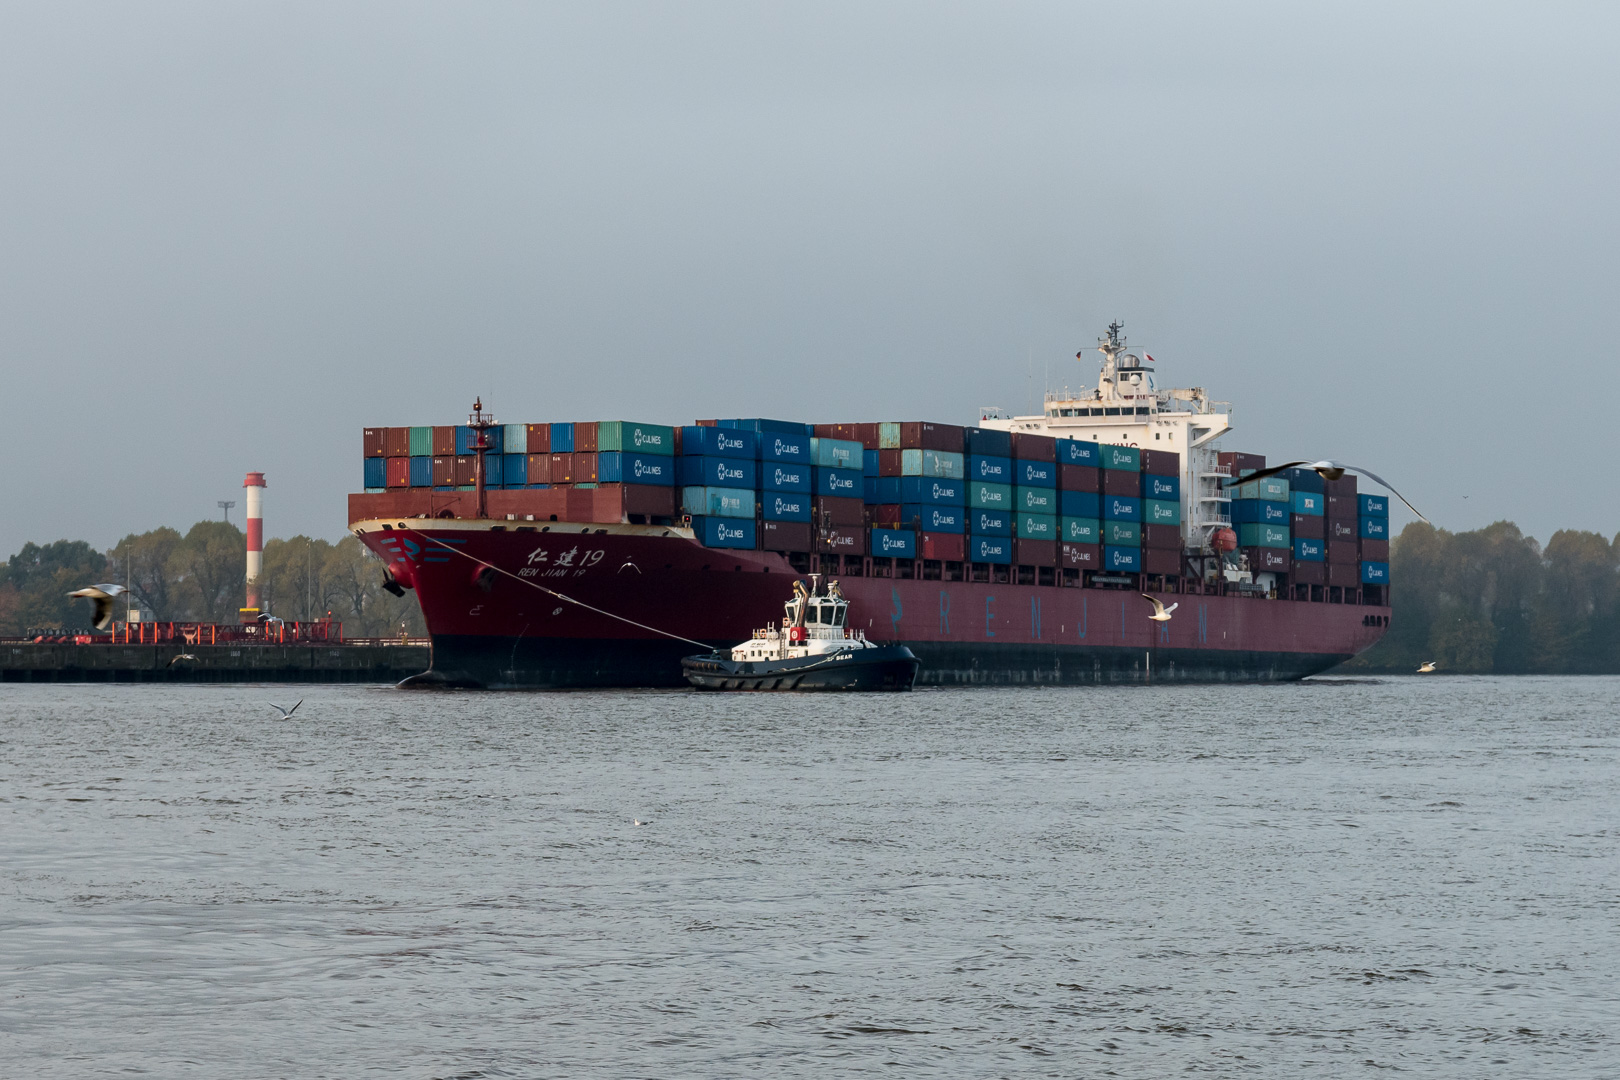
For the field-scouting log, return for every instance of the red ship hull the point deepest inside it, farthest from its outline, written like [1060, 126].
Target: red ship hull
[492, 627]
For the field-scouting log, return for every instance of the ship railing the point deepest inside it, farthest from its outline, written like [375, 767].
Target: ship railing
[1217, 470]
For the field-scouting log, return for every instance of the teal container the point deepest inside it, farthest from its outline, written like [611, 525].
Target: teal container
[628, 437]
[983, 496]
[1080, 530]
[1309, 503]
[1122, 533]
[837, 454]
[421, 442]
[1035, 500]
[888, 436]
[715, 502]
[1254, 534]
[1271, 489]
[1159, 512]
[514, 439]
[940, 464]
[1123, 458]
[1037, 527]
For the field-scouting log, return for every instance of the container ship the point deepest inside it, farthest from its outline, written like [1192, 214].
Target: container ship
[1009, 551]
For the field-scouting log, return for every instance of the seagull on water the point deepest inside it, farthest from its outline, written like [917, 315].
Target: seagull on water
[102, 597]
[1426, 667]
[286, 714]
[1329, 470]
[1160, 612]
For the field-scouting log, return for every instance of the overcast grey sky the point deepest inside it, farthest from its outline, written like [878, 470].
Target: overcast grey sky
[233, 235]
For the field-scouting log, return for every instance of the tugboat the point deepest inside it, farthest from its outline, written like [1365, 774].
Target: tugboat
[813, 650]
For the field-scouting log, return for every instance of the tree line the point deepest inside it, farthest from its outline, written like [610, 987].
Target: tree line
[198, 577]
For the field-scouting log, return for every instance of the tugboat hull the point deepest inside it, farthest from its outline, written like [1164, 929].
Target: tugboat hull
[886, 667]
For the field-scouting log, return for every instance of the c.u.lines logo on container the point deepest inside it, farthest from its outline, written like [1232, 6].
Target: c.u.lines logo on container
[783, 477]
[730, 533]
[787, 507]
[643, 468]
[1121, 559]
[721, 472]
[893, 543]
[647, 438]
[835, 482]
[787, 448]
[728, 444]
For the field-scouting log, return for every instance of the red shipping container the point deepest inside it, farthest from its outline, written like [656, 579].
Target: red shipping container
[783, 535]
[921, 435]
[539, 441]
[949, 547]
[1343, 552]
[841, 541]
[584, 441]
[1120, 482]
[466, 469]
[397, 442]
[884, 515]
[562, 469]
[523, 503]
[1343, 486]
[1308, 573]
[585, 467]
[399, 472]
[1081, 556]
[1342, 531]
[1035, 552]
[889, 462]
[1375, 551]
[1161, 561]
[1238, 462]
[832, 510]
[373, 440]
[1081, 478]
[835, 431]
[1269, 560]
[1034, 448]
[1161, 463]
[444, 441]
[1345, 575]
[649, 499]
[1308, 526]
[703, 423]
[867, 435]
[444, 472]
[539, 468]
[1162, 537]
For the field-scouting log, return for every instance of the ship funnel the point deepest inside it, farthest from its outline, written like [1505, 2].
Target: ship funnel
[253, 500]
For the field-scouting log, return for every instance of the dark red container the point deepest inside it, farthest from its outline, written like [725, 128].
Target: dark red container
[399, 472]
[830, 510]
[1120, 482]
[1344, 485]
[1161, 463]
[444, 472]
[841, 540]
[1343, 552]
[921, 435]
[373, 440]
[702, 423]
[1309, 526]
[884, 515]
[584, 441]
[1347, 575]
[1375, 551]
[1161, 561]
[835, 431]
[949, 547]
[1035, 448]
[889, 462]
[646, 500]
[1342, 530]
[1162, 537]
[562, 469]
[539, 443]
[1342, 507]
[539, 465]
[1308, 573]
[783, 535]
[585, 466]
[444, 441]
[397, 442]
[1035, 552]
[866, 435]
[1238, 462]
[1080, 478]
[1081, 556]
[466, 469]
[1269, 560]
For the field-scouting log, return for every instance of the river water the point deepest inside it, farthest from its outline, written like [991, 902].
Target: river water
[1334, 877]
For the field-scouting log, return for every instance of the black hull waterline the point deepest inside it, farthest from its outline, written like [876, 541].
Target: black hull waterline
[885, 667]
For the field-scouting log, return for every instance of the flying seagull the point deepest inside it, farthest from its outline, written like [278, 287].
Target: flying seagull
[1160, 612]
[102, 597]
[1426, 667]
[181, 656]
[1330, 470]
[286, 714]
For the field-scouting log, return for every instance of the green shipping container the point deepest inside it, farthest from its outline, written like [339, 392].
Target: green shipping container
[1035, 500]
[1271, 489]
[1122, 533]
[888, 436]
[421, 442]
[1123, 458]
[1081, 530]
[1037, 527]
[1254, 534]
[1160, 512]
[990, 496]
[626, 437]
[514, 440]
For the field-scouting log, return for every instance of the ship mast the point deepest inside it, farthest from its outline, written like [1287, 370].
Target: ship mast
[480, 422]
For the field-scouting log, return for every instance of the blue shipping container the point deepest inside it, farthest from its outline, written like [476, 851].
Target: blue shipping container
[562, 438]
[1375, 573]
[933, 518]
[494, 470]
[1307, 550]
[1259, 512]
[1163, 488]
[837, 483]
[1081, 504]
[515, 470]
[712, 442]
[836, 453]
[464, 440]
[1374, 528]
[1304, 480]
[1309, 503]
[869, 462]
[894, 543]
[784, 446]
[1036, 474]
[996, 470]
[990, 549]
[987, 442]
[761, 425]
[1372, 506]
[927, 489]
[785, 476]
[717, 502]
[421, 472]
[990, 522]
[725, 532]
[784, 506]
[1119, 508]
[376, 473]
[728, 472]
[882, 489]
[1075, 452]
[1122, 559]
[614, 467]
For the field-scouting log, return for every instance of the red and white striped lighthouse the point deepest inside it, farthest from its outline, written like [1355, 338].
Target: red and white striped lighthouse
[253, 499]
